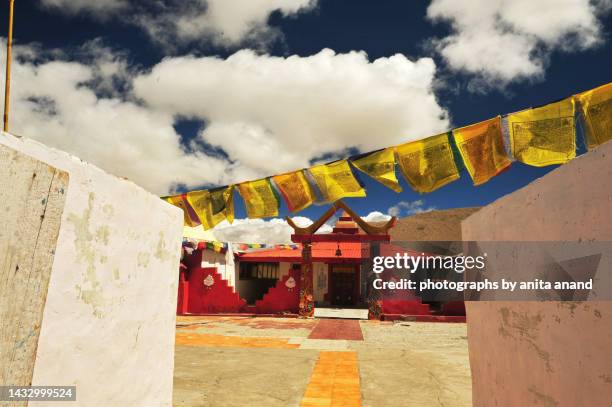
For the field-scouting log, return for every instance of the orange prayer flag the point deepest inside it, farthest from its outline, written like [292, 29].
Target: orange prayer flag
[295, 189]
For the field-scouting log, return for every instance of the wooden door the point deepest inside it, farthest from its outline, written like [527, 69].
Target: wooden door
[343, 285]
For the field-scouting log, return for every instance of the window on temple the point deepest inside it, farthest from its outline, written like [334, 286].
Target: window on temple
[259, 271]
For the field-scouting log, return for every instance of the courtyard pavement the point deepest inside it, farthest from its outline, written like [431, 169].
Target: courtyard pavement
[246, 361]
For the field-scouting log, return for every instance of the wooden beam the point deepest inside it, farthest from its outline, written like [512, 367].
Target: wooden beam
[312, 229]
[9, 53]
[337, 237]
[369, 229]
[365, 226]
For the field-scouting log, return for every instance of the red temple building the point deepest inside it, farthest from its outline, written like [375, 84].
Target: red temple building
[319, 270]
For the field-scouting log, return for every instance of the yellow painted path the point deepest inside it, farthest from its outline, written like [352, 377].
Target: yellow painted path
[199, 339]
[334, 381]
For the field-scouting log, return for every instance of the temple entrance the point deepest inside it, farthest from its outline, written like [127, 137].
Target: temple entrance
[350, 231]
[343, 284]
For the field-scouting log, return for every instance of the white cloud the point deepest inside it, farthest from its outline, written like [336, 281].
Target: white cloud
[58, 102]
[376, 217]
[274, 114]
[226, 23]
[506, 40]
[272, 231]
[407, 208]
[269, 114]
[98, 8]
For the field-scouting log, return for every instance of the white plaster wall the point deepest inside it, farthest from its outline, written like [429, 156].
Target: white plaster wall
[230, 267]
[224, 262]
[237, 281]
[109, 319]
[211, 258]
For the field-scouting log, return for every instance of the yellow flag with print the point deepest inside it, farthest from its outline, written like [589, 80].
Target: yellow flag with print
[596, 107]
[481, 146]
[427, 164]
[545, 135]
[295, 190]
[213, 206]
[259, 198]
[380, 165]
[336, 180]
[190, 218]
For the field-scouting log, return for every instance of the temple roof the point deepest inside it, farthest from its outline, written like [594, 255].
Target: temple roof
[348, 236]
[345, 224]
[321, 252]
[351, 252]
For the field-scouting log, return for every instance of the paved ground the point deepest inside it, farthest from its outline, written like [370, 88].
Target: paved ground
[238, 361]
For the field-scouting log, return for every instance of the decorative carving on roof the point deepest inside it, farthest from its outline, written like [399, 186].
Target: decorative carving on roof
[365, 226]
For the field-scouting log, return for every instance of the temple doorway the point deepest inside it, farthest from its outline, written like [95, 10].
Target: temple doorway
[344, 285]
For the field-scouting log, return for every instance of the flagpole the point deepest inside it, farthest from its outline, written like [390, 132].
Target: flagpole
[9, 51]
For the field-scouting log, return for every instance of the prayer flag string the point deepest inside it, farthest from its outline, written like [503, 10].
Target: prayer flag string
[540, 136]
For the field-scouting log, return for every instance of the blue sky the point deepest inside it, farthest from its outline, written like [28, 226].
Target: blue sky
[147, 91]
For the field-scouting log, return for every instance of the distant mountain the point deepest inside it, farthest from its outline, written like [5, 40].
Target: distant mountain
[444, 225]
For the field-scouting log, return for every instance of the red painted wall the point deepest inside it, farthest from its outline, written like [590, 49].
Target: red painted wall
[405, 307]
[217, 298]
[183, 294]
[456, 308]
[404, 302]
[280, 298]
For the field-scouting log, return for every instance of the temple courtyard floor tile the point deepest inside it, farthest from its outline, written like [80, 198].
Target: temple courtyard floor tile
[246, 361]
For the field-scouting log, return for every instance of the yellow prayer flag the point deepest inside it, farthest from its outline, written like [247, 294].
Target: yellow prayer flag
[481, 146]
[190, 218]
[380, 166]
[222, 204]
[545, 135]
[336, 181]
[259, 198]
[596, 106]
[427, 164]
[213, 206]
[295, 189]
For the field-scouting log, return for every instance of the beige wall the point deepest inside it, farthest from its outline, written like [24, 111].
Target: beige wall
[320, 280]
[109, 317]
[545, 353]
[284, 269]
[33, 197]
